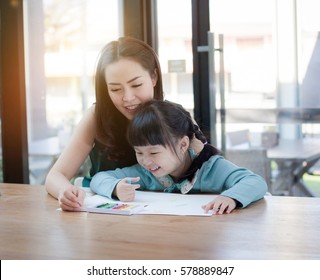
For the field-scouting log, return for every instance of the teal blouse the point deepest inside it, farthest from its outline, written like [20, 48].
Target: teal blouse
[100, 162]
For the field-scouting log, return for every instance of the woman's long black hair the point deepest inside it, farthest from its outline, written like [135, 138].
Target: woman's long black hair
[111, 124]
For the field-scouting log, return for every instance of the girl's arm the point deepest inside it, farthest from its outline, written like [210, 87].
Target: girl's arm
[222, 177]
[69, 162]
[130, 178]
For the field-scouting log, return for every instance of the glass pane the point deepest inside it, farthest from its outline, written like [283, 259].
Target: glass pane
[249, 56]
[309, 54]
[249, 51]
[63, 39]
[175, 50]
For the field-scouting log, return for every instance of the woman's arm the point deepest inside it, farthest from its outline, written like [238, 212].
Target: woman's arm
[69, 162]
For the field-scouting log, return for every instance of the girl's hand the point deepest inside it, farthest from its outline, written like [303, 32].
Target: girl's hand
[71, 198]
[221, 204]
[125, 191]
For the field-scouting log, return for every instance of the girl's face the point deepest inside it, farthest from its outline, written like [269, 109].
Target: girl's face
[129, 85]
[162, 161]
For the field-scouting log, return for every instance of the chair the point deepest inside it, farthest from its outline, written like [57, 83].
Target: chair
[238, 139]
[254, 159]
[315, 169]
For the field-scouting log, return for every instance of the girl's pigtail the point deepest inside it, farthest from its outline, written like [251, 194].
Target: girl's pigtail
[199, 135]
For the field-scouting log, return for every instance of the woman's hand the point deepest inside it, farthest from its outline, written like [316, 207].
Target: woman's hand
[71, 198]
[125, 191]
[220, 205]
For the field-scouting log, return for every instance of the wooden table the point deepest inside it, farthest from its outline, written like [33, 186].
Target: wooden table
[294, 159]
[275, 228]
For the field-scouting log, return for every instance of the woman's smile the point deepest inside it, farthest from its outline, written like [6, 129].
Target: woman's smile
[132, 108]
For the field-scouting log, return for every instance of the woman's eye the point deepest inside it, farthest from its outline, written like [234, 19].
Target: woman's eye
[138, 85]
[114, 89]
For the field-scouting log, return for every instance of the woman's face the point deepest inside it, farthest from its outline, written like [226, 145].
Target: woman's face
[129, 85]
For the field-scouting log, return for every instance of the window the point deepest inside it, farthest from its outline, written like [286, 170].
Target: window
[62, 39]
[249, 55]
[175, 50]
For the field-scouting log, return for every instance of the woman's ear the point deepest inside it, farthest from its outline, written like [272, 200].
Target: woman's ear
[184, 143]
[154, 77]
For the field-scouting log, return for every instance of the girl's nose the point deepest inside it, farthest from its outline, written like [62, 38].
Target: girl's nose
[145, 161]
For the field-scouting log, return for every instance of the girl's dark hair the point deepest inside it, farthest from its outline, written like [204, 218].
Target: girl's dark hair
[164, 123]
[111, 124]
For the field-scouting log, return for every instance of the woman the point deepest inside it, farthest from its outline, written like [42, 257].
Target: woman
[128, 74]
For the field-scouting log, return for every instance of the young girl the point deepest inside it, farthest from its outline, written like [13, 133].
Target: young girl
[128, 74]
[160, 133]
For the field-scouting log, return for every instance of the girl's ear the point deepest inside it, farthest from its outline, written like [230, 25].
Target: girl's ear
[184, 143]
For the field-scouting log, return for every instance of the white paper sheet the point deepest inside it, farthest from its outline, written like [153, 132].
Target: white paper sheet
[161, 203]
